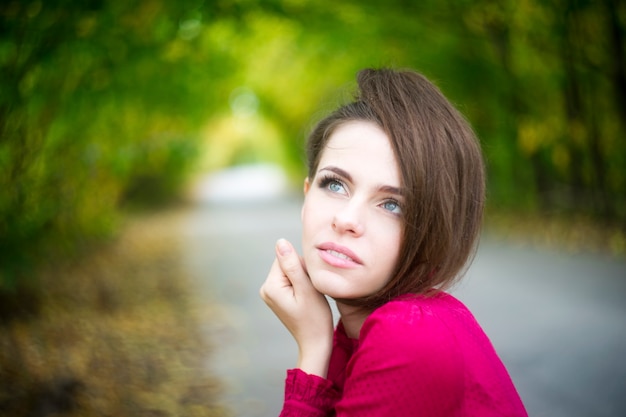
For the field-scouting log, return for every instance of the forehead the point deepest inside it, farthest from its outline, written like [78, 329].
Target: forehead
[362, 147]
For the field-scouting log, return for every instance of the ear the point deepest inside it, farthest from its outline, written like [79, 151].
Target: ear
[307, 185]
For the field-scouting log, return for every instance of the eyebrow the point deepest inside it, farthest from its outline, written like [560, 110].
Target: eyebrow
[342, 173]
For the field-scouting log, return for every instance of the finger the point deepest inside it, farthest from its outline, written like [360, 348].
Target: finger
[292, 265]
[275, 281]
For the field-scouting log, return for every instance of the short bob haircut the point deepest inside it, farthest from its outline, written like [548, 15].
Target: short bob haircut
[442, 177]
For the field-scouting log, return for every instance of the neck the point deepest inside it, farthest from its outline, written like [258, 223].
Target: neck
[352, 319]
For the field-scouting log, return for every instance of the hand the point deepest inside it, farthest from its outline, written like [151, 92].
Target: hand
[304, 311]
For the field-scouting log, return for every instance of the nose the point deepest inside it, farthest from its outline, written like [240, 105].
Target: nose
[349, 219]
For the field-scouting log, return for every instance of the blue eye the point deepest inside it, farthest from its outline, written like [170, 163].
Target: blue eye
[392, 206]
[335, 187]
[332, 184]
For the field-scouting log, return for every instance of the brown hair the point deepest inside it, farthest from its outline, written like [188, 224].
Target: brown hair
[441, 170]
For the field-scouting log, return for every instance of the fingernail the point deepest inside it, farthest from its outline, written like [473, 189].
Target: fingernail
[284, 248]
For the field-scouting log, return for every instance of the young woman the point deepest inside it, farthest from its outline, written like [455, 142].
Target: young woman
[391, 216]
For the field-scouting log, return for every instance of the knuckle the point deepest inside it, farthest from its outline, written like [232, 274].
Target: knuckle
[266, 295]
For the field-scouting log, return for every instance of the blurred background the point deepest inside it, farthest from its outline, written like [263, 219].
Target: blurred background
[116, 117]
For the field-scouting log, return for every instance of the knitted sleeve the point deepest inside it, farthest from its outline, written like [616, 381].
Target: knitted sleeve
[307, 395]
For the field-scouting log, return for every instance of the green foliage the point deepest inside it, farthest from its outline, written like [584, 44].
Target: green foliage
[103, 103]
[85, 117]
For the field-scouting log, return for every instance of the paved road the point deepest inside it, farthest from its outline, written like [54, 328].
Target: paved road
[557, 320]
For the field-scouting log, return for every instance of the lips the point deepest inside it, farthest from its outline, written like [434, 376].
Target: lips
[338, 256]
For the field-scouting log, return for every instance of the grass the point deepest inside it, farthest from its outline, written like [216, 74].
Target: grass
[116, 333]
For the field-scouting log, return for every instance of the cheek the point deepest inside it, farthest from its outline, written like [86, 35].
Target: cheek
[304, 216]
[312, 213]
[393, 245]
[308, 222]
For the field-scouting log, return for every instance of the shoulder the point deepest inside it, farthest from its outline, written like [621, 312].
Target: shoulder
[419, 327]
[416, 316]
[413, 336]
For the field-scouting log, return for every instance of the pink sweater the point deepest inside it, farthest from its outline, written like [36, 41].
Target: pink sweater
[415, 356]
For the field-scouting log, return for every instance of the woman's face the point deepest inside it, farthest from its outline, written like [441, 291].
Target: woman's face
[352, 216]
